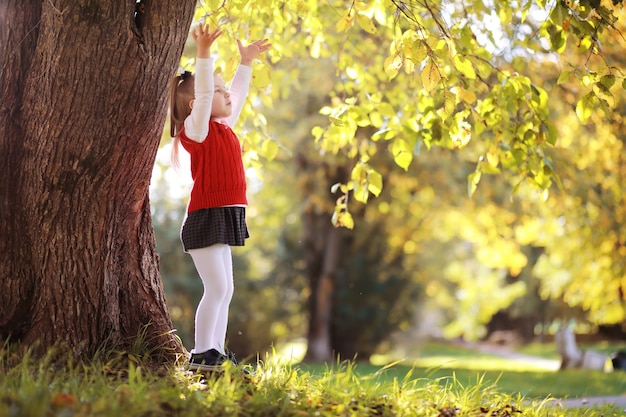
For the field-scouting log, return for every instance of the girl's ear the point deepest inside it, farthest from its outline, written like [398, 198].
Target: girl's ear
[191, 103]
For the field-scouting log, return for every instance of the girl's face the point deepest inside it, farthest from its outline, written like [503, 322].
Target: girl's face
[222, 106]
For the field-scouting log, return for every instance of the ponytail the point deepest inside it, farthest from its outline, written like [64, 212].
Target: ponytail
[181, 93]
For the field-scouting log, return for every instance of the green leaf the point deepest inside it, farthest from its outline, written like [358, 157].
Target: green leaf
[603, 93]
[558, 14]
[607, 81]
[550, 132]
[558, 40]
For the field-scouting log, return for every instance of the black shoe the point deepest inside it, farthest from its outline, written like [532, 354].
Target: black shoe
[245, 369]
[211, 360]
[231, 357]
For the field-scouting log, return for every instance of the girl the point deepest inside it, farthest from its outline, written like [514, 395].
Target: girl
[202, 112]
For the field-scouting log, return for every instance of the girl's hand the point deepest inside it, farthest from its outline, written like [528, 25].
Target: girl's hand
[204, 38]
[248, 53]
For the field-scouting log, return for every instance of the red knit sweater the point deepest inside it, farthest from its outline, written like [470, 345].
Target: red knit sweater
[216, 168]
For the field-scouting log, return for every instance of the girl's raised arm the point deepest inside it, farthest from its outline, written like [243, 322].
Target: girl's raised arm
[238, 92]
[241, 81]
[197, 123]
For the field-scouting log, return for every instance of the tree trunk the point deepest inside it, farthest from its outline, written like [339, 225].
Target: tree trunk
[83, 98]
[323, 245]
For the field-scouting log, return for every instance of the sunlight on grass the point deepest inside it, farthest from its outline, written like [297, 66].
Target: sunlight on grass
[290, 353]
[440, 355]
[119, 384]
[480, 363]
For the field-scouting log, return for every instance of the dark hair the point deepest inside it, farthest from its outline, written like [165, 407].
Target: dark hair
[181, 94]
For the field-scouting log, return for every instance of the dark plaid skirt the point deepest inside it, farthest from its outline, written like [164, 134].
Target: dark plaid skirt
[206, 227]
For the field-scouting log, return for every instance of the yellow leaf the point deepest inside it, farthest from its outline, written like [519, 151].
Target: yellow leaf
[419, 52]
[336, 121]
[343, 219]
[393, 63]
[449, 102]
[430, 76]
[375, 182]
[270, 149]
[464, 66]
[346, 22]
[472, 182]
[261, 77]
[358, 173]
[348, 221]
[467, 96]
[365, 23]
[402, 154]
[584, 107]
[360, 193]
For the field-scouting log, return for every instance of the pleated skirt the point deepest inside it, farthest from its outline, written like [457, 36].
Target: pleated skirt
[207, 227]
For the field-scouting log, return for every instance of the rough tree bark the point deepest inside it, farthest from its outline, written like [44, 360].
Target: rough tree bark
[83, 94]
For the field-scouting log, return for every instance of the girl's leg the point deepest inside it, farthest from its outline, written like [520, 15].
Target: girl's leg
[215, 278]
[219, 336]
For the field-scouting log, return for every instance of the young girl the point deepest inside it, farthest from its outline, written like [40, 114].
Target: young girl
[202, 112]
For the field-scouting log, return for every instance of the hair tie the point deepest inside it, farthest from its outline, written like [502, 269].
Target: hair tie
[185, 75]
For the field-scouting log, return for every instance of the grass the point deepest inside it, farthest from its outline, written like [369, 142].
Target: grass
[530, 377]
[530, 384]
[120, 384]
[547, 350]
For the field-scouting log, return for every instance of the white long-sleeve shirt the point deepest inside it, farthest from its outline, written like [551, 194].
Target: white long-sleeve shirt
[197, 123]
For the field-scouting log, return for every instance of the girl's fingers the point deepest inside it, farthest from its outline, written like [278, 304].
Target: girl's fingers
[205, 29]
[194, 31]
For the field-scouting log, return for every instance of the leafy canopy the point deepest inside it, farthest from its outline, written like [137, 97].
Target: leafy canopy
[481, 78]
[416, 74]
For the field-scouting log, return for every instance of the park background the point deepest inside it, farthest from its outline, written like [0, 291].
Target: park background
[468, 240]
[471, 154]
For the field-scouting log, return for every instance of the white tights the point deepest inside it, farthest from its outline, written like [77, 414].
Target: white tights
[215, 266]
